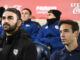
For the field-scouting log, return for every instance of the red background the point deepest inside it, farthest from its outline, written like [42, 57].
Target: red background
[70, 8]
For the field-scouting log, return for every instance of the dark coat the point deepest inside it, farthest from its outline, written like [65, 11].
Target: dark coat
[17, 47]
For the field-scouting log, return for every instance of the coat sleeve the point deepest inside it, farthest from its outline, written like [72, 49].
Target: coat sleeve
[35, 29]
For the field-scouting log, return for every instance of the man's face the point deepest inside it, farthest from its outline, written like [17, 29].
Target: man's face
[25, 15]
[67, 36]
[50, 16]
[9, 21]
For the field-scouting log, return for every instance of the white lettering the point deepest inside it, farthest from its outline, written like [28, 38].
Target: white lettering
[76, 9]
[14, 6]
[44, 9]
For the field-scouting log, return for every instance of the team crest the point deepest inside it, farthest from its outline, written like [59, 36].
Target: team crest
[46, 27]
[27, 25]
[56, 26]
[15, 51]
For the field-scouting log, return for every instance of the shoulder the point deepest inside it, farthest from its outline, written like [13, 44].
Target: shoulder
[44, 26]
[23, 33]
[25, 38]
[35, 23]
[57, 54]
[1, 40]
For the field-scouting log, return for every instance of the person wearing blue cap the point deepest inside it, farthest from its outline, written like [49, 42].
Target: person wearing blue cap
[49, 33]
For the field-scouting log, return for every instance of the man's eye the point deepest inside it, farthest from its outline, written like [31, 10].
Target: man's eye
[66, 30]
[22, 13]
[26, 13]
[49, 14]
[3, 17]
[60, 31]
[10, 17]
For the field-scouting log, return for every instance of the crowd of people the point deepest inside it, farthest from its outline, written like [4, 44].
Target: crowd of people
[19, 35]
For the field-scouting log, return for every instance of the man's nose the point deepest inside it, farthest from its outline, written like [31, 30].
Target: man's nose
[62, 34]
[6, 20]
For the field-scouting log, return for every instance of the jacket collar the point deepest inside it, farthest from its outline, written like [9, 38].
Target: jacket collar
[28, 21]
[9, 39]
[77, 49]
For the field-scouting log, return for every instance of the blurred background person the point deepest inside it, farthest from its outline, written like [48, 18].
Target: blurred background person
[30, 26]
[49, 33]
[2, 9]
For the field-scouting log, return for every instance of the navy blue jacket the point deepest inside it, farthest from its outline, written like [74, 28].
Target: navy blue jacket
[31, 27]
[63, 54]
[0, 28]
[50, 35]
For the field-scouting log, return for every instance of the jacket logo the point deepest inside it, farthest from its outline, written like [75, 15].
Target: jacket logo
[0, 25]
[46, 27]
[27, 25]
[56, 26]
[15, 51]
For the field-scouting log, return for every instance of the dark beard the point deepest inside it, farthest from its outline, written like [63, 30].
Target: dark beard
[51, 21]
[11, 28]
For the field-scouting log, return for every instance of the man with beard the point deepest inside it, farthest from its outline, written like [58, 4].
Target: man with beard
[1, 12]
[16, 44]
[49, 33]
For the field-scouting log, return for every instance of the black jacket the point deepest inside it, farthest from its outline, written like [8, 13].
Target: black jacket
[17, 47]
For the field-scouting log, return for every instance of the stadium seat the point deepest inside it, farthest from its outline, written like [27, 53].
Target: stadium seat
[43, 52]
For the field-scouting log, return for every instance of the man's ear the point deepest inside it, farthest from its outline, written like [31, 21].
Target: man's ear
[76, 33]
[19, 23]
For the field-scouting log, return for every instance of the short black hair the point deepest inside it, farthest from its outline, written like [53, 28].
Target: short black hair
[56, 13]
[2, 9]
[74, 24]
[14, 10]
[28, 10]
